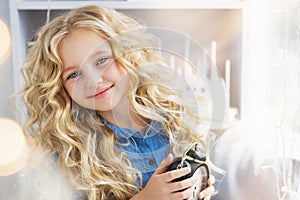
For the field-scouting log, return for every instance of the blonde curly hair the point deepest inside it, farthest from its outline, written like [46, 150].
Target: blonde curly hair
[83, 143]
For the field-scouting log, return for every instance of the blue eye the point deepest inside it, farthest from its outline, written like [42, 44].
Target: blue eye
[73, 75]
[101, 61]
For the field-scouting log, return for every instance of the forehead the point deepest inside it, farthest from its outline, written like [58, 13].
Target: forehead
[80, 44]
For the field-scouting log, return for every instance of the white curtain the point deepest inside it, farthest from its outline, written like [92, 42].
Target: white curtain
[262, 155]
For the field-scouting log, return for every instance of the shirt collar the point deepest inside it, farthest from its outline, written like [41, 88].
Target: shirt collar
[154, 128]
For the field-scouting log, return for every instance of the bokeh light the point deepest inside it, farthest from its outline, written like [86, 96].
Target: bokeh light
[13, 148]
[5, 42]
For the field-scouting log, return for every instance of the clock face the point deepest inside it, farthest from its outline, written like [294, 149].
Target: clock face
[201, 184]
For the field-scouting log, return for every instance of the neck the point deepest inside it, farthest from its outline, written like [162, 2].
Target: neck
[124, 117]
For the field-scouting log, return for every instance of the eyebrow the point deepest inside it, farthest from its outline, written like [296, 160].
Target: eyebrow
[101, 52]
[69, 68]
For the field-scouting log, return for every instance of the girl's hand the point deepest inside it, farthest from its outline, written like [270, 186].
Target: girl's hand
[160, 185]
[209, 191]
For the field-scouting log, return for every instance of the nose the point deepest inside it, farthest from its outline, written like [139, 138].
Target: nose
[93, 78]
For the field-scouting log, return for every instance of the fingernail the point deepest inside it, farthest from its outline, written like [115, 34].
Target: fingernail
[171, 155]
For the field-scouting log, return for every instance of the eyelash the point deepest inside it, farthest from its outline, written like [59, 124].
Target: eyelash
[73, 75]
[101, 61]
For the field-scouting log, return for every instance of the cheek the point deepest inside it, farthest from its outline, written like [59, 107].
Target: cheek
[70, 89]
[114, 73]
[120, 71]
[123, 78]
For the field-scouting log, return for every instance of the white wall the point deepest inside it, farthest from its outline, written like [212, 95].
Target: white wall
[6, 68]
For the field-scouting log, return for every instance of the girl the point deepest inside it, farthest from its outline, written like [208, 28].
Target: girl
[92, 101]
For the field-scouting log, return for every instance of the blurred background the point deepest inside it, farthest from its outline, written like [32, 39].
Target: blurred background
[6, 66]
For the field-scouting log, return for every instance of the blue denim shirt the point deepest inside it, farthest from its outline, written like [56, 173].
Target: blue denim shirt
[145, 151]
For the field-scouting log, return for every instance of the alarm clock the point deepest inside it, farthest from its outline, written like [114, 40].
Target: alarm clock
[197, 163]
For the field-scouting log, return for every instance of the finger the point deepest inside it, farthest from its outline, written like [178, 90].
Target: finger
[207, 198]
[184, 184]
[164, 164]
[185, 194]
[211, 180]
[174, 174]
[207, 192]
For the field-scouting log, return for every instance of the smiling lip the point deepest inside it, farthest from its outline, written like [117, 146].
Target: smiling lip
[101, 93]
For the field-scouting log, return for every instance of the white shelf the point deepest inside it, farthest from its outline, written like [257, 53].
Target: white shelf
[132, 4]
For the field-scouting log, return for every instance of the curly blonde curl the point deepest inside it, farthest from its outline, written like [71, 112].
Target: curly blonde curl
[83, 143]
